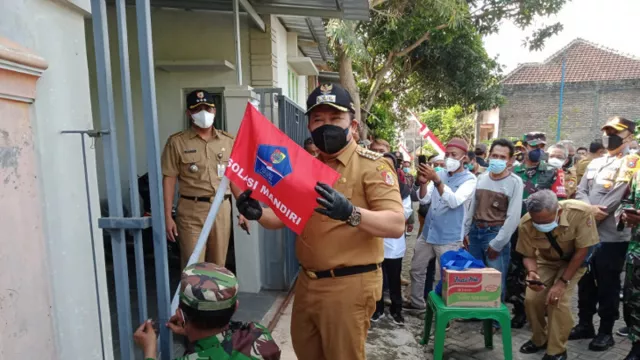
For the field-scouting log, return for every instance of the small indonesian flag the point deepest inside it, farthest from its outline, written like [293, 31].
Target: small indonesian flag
[429, 136]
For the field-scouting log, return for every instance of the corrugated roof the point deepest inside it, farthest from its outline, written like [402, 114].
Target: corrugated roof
[310, 31]
[586, 61]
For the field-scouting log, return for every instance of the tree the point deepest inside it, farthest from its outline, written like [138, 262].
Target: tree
[449, 123]
[387, 49]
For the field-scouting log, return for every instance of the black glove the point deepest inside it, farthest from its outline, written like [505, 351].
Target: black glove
[248, 207]
[335, 205]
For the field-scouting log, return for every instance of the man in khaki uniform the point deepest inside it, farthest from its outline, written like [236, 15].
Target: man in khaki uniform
[340, 248]
[556, 240]
[196, 159]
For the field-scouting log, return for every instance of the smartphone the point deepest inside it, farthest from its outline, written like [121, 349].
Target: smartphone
[535, 282]
[632, 211]
[422, 159]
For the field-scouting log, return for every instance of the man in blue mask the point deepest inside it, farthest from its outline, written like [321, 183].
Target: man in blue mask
[536, 174]
[555, 240]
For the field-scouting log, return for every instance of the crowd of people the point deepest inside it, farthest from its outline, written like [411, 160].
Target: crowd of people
[549, 218]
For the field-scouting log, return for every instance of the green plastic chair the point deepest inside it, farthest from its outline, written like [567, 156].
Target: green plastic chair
[445, 314]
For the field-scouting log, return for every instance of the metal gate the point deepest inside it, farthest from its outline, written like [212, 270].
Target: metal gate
[292, 122]
[117, 223]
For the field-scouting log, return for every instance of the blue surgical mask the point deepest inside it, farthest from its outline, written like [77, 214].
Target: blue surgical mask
[406, 170]
[497, 166]
[535, 155]
[438, 168]
[546, 228]
[469, 167]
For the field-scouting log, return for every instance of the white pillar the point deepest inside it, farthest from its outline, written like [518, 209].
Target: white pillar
[247, 247]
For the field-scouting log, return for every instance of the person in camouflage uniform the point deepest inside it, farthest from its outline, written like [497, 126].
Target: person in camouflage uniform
[536, 175]
[208, 300]
[631, 291]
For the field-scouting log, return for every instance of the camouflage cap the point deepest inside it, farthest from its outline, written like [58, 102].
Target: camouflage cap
[208, 287]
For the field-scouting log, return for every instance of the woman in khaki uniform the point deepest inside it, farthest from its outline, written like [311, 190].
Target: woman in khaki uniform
[340, 248]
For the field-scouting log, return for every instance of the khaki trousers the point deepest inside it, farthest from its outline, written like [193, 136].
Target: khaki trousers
[331, 316]
[422, 255]
[190, 220]
[556, 332]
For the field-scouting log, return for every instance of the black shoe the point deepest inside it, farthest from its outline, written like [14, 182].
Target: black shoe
[530, 348]
[377, 316]
[398, 319]
[582, 331]
[518, 321]
[407, 305]
[562, 356]
[602, 342]
[623, 331]
[634, 354]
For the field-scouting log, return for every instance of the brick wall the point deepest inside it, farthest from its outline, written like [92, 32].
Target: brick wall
[586, 108]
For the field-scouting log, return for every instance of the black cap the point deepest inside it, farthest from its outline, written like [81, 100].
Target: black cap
[619, 123]
[333, 95]
[198, 97]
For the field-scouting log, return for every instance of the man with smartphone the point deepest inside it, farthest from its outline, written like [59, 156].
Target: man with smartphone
[555, 240]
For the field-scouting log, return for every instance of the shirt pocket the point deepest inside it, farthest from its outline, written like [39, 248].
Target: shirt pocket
[192, 166]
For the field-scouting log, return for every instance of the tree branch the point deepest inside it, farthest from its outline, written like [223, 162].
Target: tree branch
[417, 43]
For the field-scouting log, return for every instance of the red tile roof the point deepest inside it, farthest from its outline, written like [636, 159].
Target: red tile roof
[586, 61]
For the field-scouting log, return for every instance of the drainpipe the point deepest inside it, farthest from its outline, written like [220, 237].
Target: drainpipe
[236, 38]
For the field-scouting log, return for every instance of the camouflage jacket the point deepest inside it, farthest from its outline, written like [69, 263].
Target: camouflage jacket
[539, 178]
[633, 201]
[241, 341]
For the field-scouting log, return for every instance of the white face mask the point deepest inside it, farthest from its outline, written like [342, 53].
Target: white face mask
[556, 163]
[452, 164]
[633, 151]
[203, 119]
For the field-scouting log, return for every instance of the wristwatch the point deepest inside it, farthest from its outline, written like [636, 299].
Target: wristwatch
[566, 282]
[437, 183]
[354, 219]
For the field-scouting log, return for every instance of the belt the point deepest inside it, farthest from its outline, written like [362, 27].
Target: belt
[486, 224]
[202, 198]
[344, 271]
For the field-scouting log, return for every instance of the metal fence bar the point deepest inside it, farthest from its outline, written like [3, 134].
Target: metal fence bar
[145, 48]
[91, 133]
[123, 50]
[292, 120]
[112, 175]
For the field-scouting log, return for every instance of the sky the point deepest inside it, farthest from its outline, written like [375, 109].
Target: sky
[610, 23]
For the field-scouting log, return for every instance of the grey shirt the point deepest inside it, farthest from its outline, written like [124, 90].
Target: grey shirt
[497, 201]
[606, 182]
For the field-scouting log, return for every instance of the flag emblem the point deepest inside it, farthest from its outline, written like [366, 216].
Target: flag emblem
[277, 156]
[272, 163]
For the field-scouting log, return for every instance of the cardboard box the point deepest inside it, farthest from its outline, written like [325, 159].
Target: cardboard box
[472, 288]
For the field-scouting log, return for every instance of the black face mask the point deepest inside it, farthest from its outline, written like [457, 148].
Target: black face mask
[330, 138]
[612, 142]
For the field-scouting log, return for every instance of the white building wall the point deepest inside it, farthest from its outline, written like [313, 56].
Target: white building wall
[281, 46]
[55, 30]
[177, 35]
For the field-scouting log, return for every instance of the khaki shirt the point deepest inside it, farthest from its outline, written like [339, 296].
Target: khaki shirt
[198, 164]
[581, 168]
[576, 230]
[369, 182]
[570, 181]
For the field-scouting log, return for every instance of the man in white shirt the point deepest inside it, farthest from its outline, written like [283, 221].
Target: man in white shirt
[448, 191]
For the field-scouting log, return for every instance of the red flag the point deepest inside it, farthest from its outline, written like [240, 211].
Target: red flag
[280, 173]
